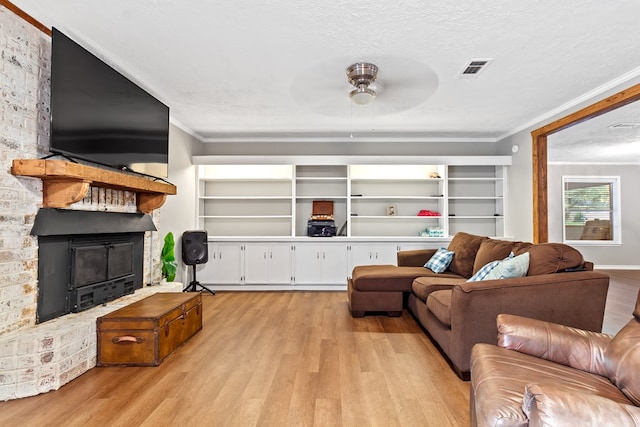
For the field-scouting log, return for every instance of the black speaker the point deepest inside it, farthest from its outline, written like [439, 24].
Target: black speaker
[194, 247]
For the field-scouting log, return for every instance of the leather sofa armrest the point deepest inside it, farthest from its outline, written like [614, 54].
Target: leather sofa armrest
[568, 346]
[414, 258]
[548, 406]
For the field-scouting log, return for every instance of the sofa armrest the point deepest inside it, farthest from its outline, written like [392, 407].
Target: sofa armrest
[547, 406]
[568, 346]
[415, 258]
[574, 299]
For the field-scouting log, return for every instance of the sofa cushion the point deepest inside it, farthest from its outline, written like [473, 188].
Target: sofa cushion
[439, 304]
[465, 247]
[553, 406]
[423, 286]
[510, 268]
[622, 357]
[499, 377]
[386, 278]
[439, 262]
[548, 258]
[491, 250]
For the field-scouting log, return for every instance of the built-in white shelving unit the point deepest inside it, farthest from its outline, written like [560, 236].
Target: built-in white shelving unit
[386, 199]
[249, 200]
[476, 200]
[320, 183]
[369, 200]
[256, 217]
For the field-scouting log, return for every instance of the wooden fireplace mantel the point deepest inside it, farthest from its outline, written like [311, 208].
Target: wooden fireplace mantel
[65, 183]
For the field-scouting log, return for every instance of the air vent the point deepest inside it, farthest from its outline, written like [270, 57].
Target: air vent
[474, 67]
[624, 125]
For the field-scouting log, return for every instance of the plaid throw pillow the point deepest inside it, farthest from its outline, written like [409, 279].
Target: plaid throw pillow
[440, 260]
[484, 271]
[488, 268]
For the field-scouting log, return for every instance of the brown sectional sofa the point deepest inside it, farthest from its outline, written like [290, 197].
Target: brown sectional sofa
[542, 373]
[560, 287]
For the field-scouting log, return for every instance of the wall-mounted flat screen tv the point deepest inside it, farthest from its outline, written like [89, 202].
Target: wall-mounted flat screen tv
[99, 115]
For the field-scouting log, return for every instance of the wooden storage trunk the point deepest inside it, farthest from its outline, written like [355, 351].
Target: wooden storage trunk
[147, 331]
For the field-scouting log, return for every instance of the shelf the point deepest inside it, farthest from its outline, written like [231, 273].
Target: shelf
[403, 180]
[321, 178]
[394, 217]
[475, 216]
[476, 179]
[65, 183]
[474, 193]
[475, 197]
[244, 216]
[261, 180]
[397, 197]
[321, 197]
[287, 197]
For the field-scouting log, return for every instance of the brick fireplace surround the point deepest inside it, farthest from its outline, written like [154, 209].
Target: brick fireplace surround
[36, 358]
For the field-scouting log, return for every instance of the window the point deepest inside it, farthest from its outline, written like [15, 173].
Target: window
[591, 208]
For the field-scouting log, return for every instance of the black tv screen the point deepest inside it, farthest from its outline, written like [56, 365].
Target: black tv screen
[99, 115]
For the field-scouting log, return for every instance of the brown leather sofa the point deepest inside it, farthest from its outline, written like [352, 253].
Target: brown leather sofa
[458, 314]
[542, 373]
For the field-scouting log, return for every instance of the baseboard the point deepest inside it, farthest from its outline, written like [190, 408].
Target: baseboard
[616, 267]
[334, 288]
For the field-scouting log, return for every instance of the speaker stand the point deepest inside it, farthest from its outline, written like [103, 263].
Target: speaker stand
[193, 286]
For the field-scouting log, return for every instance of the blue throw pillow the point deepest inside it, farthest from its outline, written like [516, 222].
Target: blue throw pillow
[440, 260]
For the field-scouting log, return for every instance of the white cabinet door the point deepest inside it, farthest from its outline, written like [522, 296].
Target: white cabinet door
[280, 264]
[228, 261]
[335, 264]
[325, 264]
[364, 254]
[256, 264]
[267, 264]
[307, 264]
[224, 266]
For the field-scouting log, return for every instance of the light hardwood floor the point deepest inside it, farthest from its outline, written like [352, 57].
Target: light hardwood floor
[283, 359]
[269, 359]
[621, 298]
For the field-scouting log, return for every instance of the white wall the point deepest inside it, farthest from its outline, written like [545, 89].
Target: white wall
[608, 256]
[519, 209]
[351, 148]
[179, 212]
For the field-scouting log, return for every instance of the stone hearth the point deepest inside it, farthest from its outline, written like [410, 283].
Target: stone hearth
[46, 356]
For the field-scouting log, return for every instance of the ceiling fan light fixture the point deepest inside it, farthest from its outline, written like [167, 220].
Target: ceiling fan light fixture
[362, 95]
[361, 75]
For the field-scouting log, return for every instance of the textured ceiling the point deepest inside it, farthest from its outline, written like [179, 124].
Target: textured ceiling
[610, 138]
[249, 70]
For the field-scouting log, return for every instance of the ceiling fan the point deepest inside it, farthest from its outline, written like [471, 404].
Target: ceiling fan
[362, 76]
[392, 84]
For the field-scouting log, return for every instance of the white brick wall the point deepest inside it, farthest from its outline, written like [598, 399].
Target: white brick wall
[24, 127]
[39, 358]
